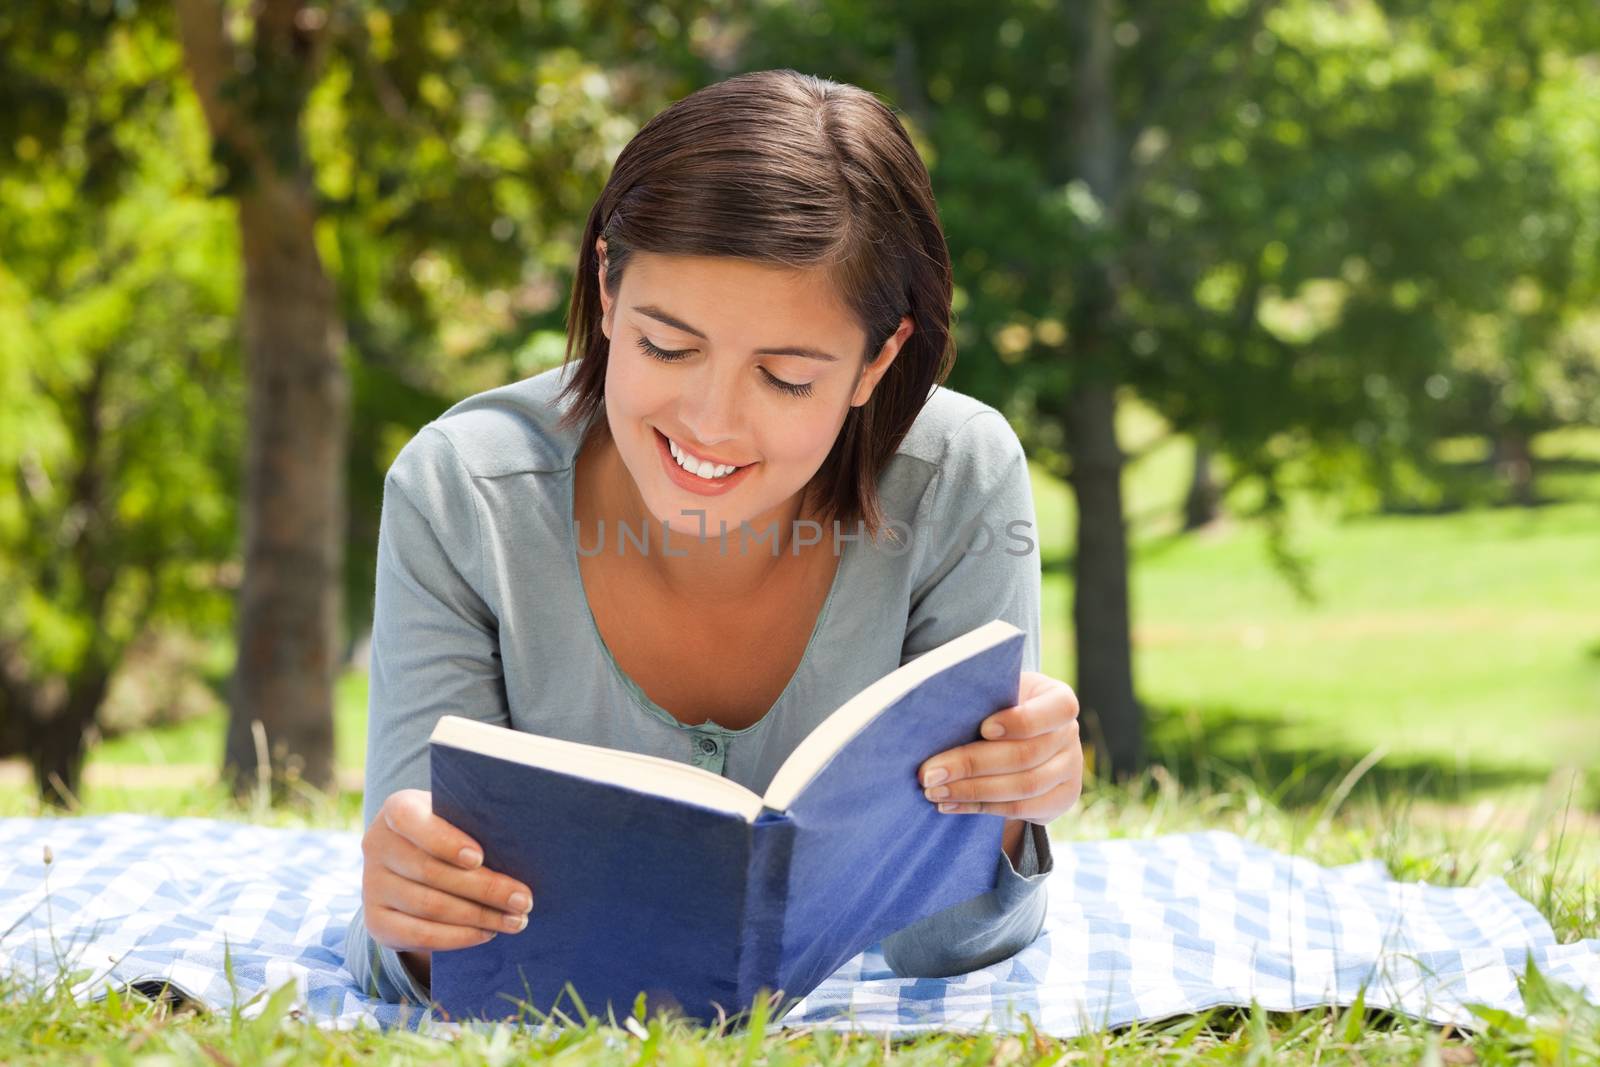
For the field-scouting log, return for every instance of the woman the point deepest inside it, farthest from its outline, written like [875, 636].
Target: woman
[748, 498]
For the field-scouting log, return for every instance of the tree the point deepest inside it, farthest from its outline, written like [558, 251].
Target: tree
[1031, 114]
[293, 514]
[1252, 212]
[1529, 359]
[442, 155]
[118, 399]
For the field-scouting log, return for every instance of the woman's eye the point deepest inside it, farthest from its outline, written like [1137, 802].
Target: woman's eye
[667, 356]
[661, 353]
[788, 387]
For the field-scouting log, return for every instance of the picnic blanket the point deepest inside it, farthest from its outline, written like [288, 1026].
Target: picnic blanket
[1137, 930]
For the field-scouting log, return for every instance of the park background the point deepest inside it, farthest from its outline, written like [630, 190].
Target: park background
[1293, 305]
[1328, 269]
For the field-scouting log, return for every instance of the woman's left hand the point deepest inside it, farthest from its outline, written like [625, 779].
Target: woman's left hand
[1032, 770]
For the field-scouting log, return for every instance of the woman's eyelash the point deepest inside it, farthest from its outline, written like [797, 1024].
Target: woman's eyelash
[666, 356]
[788, 387]
[661, 353]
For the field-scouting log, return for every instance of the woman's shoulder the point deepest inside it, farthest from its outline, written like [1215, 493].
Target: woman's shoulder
[959, 454]
[959, 435]
[510, 429]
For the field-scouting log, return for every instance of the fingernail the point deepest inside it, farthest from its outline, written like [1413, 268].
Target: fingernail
[948, 807]
[993, 729]
[939, 793]
[470, 857]
[514, 923]
[935, 776]
[520, 902]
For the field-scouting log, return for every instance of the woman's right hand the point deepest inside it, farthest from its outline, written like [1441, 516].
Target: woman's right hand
[424, 886]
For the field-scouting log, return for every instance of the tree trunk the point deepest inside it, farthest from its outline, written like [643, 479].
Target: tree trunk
[289, 600]
[1514, 461]
[293, 514]
[1200, 505]
[49, 721]
[56, 739]
[1101, 619]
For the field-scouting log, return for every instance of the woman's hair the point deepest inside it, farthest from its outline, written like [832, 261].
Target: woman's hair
[793, 170]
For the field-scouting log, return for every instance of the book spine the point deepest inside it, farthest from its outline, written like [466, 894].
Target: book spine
[766, 901]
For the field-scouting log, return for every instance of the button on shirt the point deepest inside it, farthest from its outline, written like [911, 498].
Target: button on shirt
[706, 752]
[480, 612]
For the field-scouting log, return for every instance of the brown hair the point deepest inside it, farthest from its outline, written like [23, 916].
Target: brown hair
[786, 168]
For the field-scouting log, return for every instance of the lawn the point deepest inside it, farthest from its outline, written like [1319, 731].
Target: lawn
[1550, 855]
[1464, 646]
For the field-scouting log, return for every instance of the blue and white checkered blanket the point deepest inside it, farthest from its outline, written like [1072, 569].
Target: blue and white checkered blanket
[1137, 930]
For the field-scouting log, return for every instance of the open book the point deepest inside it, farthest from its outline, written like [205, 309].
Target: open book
[658, 877]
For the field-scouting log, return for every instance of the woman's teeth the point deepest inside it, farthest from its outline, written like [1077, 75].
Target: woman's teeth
[694, 466]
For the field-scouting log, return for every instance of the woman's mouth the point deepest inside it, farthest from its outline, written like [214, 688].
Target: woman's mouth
[692, 481]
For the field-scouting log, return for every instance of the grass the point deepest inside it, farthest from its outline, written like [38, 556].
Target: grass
[1465, 644]
[199, 740]
[1550, 854]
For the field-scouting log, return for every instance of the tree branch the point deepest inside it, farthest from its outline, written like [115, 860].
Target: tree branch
[210, 58]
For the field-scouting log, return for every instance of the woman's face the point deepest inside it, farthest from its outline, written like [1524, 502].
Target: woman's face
[736, 363]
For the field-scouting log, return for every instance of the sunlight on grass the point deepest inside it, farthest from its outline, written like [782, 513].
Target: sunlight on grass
[1462, 640]
[198, 741]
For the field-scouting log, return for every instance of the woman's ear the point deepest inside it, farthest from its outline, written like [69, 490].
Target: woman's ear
[873, 372]
[600, 278]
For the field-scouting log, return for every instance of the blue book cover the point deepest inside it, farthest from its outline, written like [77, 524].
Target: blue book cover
[656, 877]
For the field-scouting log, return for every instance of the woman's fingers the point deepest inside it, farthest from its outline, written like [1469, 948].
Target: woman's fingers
[417, 895]
[1021, 785]
[430, 902]
[411, 933]
[1039, 793]
[409, 813]
[1040, 809]
[425, 848]
[989, 758]
[482, 885]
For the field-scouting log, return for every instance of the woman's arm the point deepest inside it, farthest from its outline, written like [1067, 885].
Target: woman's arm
[435, 651]
[984, 930]
[984, 483]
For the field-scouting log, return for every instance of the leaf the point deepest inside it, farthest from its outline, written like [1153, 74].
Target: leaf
[1355, 1018]
[757, 1029]
[265, 1025]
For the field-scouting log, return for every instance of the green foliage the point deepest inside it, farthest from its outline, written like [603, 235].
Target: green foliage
[121, 403]
[457, 150]
[1323, 217]
[1342, 234]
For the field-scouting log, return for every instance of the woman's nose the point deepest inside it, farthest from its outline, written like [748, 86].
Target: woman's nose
[710, 408]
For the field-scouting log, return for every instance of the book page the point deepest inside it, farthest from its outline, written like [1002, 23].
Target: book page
[631, 770]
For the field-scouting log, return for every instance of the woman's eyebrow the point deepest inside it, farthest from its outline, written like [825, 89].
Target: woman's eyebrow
[678, 324]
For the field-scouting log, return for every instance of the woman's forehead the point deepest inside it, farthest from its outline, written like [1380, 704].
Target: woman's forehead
[707, 291]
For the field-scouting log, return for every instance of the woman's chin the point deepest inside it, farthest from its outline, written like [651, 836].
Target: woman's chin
[692, 525]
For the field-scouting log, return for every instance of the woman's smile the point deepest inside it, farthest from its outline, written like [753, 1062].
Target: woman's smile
[694, 483]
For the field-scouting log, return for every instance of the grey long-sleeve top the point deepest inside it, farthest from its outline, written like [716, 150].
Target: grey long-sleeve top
[480, 612]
